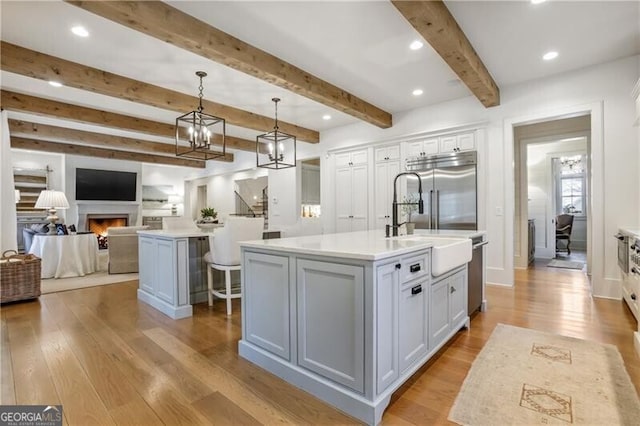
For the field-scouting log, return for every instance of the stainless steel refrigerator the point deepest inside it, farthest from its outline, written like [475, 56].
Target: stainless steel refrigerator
[449, 190]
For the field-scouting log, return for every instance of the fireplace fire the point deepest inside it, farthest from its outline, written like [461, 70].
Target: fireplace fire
[99, 226]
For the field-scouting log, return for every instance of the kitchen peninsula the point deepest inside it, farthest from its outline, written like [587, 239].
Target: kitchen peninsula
[171, 269]
[350, 317]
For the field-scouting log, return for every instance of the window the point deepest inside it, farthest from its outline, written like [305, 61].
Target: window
[571, 185]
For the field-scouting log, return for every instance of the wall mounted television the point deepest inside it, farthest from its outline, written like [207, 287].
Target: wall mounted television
[105, 185]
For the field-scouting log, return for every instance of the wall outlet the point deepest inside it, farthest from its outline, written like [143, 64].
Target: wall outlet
[499, 211]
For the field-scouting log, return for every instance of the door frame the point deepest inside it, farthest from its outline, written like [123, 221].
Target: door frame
[595, 212]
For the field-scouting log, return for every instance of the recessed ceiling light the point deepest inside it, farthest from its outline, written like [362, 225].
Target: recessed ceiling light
[55, 84]
[326, 117]
[417, 92]
[550, 55]
[537, 1]
[80, 31]
[415, 45]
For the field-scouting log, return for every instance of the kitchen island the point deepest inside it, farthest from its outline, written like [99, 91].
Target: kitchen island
[171, 269]
[350, 317]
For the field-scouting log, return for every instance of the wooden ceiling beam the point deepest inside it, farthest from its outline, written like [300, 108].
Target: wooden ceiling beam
[30, 63]
[13, 101]
[63, 134]
[434, 22]
[18, 142]
[168, 24]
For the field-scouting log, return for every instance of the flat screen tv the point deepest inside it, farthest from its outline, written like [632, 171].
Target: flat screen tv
[105, 185]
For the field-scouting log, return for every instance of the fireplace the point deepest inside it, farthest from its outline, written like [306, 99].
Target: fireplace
[99, 223]
[100, 210]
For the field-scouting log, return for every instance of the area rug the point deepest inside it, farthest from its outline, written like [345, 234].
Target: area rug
[567, 264]
[527, 377]
[52, 285]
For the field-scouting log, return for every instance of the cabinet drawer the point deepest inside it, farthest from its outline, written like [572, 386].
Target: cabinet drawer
[414, 267]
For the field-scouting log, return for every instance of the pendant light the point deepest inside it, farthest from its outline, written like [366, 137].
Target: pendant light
[276, 149]
[195, 132]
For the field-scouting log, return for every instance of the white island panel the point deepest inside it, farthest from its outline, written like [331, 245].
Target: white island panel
[331, 342]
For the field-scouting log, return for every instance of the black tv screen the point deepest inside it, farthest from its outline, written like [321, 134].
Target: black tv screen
[105, 185]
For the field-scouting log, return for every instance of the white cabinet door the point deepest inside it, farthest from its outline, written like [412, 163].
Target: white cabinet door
[458, 297]
[430, 146]
[414, 149]
[331, 344]
[359, 198]
[413, 323]
[266, 302]
[384, 174]
[438, 312]
[343, 159]
[448, 144]
[147, 263]
[359, 157]
[352, 193]
[387, 153]
[466, 142]
[343, 199]
[165, 278]
[387, 289]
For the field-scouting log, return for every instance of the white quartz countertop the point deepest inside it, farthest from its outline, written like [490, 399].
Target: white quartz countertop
[363, 245]
[176, 233]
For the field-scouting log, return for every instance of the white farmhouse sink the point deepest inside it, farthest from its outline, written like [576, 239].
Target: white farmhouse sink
[449, 253]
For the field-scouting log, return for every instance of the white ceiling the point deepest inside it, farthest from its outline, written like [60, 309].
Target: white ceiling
[359, 46]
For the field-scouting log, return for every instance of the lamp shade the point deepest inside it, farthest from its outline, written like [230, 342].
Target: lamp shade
[52, 199]
[17, 196]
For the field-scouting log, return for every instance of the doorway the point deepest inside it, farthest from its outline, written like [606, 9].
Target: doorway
[552, 179]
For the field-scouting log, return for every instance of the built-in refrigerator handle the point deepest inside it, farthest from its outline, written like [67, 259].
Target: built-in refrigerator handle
[431, 221]
[437, 209]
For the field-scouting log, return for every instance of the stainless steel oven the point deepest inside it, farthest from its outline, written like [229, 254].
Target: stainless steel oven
[623, 252]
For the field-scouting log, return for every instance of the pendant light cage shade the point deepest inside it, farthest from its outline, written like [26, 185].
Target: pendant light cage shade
[199, 135]
[276, 149]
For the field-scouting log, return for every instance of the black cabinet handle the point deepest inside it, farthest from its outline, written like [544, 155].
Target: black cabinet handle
[417, 289]
[453, 290]
[633, 296]
[414, 268]
[398, 266]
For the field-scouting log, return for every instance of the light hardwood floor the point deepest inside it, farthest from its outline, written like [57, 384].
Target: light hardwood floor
[109, 359]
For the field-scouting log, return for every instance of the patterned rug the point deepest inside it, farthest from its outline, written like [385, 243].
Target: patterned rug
[567, 264]
[526, 377]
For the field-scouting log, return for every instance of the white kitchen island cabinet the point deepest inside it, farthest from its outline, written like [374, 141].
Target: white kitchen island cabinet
[345, 316]
[164, 272]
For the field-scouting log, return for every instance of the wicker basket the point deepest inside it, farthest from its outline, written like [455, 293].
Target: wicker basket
[19, 276]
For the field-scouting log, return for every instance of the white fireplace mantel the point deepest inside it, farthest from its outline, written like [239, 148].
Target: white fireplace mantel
[85, 208]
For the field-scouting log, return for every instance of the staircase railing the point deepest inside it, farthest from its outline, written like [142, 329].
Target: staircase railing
[265, 206]
[242, 208]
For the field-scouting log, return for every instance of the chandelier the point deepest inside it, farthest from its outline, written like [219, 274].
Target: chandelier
[571, 162]
[276, 149]
[195, 135]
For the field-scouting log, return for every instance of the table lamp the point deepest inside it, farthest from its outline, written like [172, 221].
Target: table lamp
[52, 200]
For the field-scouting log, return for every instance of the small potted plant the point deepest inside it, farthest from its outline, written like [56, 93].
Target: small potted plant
[208, 215]
[410, 205]
[207, 219]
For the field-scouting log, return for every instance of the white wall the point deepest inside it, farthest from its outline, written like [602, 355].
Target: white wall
[609, 84]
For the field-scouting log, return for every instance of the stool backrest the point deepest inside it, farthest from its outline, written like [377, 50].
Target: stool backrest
[224, 242]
